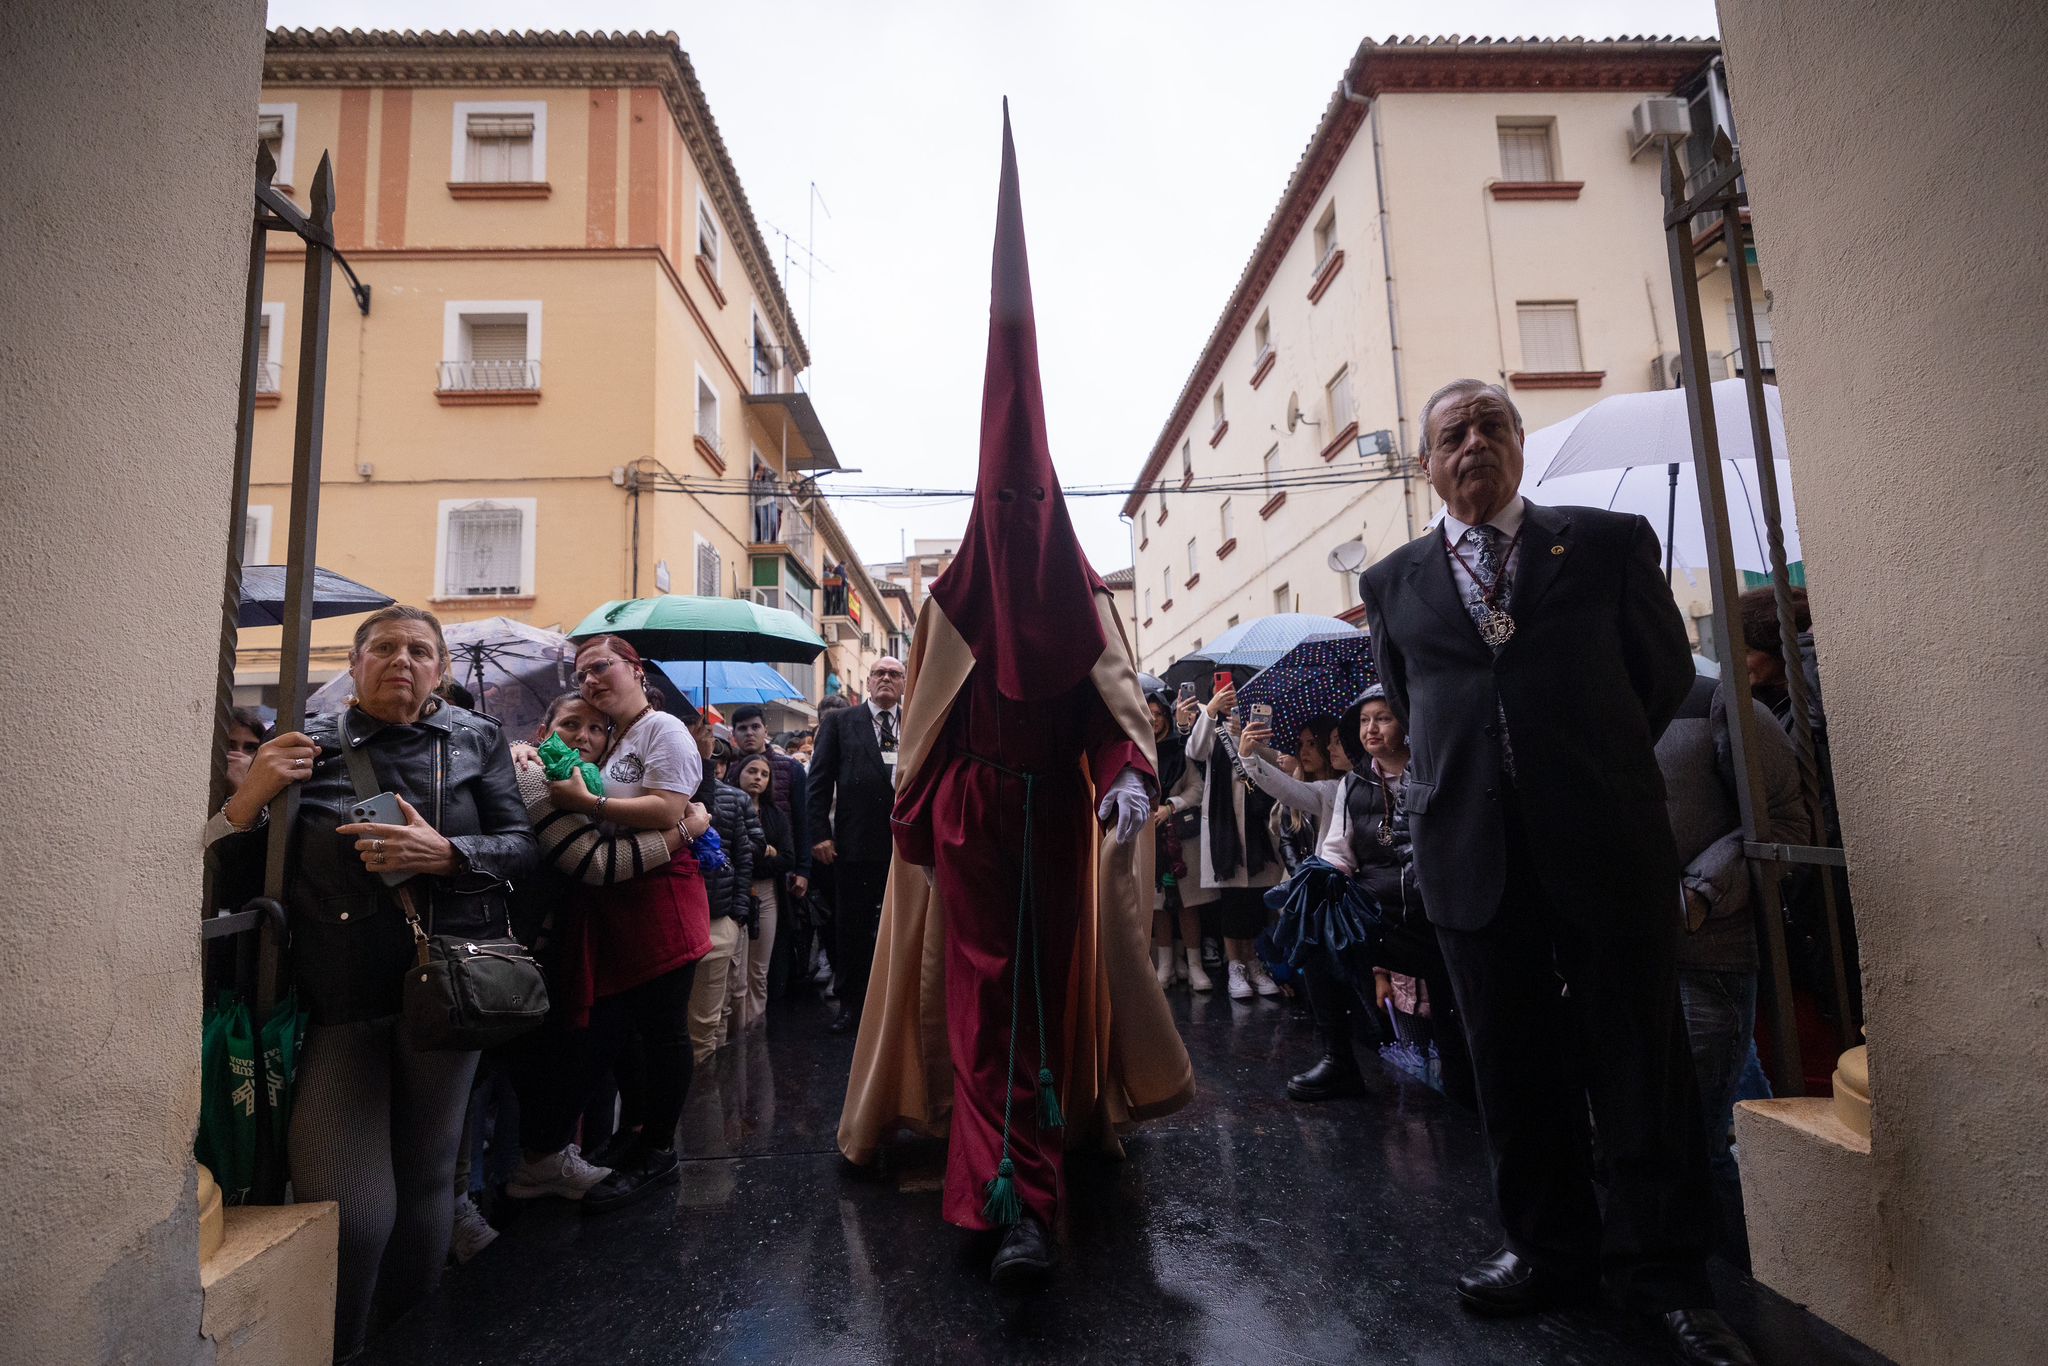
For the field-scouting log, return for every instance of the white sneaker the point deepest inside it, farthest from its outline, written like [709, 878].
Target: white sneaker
[1261, 980]
[1162, 967]
[472, 1233]
[1197, 977]
[1240, 984]
[564, 1173]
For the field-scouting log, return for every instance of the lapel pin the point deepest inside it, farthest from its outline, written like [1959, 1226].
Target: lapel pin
[1557, 550]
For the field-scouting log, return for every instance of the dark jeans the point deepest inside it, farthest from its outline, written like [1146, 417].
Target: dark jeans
[556, 1070]
[856, 919]
[645, 1033]
[1720, 1021]
[1619, 1041]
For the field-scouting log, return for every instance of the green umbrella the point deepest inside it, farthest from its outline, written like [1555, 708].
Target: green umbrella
[677, 627]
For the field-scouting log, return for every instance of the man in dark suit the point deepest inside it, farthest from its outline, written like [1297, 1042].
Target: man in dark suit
[1535, 654]
[852, 791]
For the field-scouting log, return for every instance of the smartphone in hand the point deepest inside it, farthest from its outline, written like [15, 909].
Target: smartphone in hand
[381, 809]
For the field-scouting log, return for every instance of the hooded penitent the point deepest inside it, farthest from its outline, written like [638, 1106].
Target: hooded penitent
[1020, 590]
[1012, 1005]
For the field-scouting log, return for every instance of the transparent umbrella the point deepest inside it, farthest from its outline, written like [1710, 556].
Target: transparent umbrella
[513, 670]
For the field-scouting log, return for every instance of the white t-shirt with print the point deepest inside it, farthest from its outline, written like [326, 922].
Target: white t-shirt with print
[657, 754]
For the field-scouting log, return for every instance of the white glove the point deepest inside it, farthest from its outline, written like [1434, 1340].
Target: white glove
[1128, 804]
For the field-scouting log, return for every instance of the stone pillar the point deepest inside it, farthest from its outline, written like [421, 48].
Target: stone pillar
[125, 175]
[1892, 155]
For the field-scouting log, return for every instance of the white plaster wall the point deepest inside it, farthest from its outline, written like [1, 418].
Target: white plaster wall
[125, 167]
[1893, 157]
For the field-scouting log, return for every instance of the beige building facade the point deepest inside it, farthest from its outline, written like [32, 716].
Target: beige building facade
[1464, 208]
[578, 358]
[861, 621]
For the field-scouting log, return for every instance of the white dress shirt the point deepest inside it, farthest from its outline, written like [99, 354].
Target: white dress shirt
[1507, 522]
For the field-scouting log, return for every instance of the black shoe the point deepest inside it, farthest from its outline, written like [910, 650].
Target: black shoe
[1703, 1338]
[1025, 1257]
[645, 1170]
[1504, 1285]
[1327, 1080]
[842, 1022]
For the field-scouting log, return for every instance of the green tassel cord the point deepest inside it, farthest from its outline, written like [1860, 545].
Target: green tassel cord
[1049, 1116]
[1005, 1207]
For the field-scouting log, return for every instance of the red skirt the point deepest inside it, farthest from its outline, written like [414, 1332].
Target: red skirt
[633, 932]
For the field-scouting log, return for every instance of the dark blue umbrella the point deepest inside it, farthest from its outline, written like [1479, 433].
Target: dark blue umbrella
[333, 595]
[1318, 677]
[1252, 646]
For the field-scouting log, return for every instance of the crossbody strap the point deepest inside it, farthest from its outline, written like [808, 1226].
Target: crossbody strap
[364, 779]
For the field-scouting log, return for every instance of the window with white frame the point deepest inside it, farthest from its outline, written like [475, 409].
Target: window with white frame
[767, 359]
[1337, 395]
[1270, 465]
[1525, 150]
[1326, 237]
[1194, 567]
[1143, 535]
[1187, 464]
[1165, 584]
[486, 547]
[710, 569]
[1216, 411]
[707, 412]
[1550, 337]
[256, 534]
[1262, 337]
[1148, 603]
[707, 234]
[499, 142]
[1229, 534]
[1283, 599]
[1162, 502]
[277, 127]
[491, 346]
[269, 348]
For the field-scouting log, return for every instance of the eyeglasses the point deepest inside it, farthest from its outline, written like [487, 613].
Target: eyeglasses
[595, 670]
[886, 673]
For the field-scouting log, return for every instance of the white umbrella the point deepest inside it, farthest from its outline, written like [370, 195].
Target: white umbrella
[1618, 454]
[1650, 429]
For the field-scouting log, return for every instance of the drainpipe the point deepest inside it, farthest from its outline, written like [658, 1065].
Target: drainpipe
[1379, 177]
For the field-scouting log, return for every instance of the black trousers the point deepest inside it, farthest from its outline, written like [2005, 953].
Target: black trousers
[1617, 1039]
[645, 1034]
[856, 919]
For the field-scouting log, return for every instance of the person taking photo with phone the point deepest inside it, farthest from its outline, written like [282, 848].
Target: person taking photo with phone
[375, 1121]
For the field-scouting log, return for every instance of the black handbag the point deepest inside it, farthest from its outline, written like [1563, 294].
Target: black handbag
[460, 994]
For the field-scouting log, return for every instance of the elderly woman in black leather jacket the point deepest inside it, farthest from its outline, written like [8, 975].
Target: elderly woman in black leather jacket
[375, 1123]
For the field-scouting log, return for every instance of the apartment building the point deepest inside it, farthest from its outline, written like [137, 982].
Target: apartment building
[579, 376]
[1463, 208]
[861, 620]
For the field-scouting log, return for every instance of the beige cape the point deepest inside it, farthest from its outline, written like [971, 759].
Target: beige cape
[1124, 1059]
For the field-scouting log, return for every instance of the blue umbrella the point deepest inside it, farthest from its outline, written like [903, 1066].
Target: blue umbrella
[1252, 646]
[1318, 677]
[732, 681]
[333, 595]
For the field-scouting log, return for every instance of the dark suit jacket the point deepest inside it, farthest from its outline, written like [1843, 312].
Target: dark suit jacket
[846, 763]
[1597, 667]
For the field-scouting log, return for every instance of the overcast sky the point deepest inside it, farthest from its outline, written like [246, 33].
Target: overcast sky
[1153, 140]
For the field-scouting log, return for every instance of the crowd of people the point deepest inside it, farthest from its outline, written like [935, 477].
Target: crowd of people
[676, 878]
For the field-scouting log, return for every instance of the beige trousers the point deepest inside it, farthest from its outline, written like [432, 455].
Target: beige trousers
[746, 998]
[708, 991]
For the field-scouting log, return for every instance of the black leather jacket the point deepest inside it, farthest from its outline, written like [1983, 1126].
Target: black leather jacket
[350, 943]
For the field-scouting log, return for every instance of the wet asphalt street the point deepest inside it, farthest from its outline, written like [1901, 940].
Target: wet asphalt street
[1246, 1228]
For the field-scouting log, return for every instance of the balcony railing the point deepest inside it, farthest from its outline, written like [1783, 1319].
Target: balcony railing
[1731, 361]
[489, 376]
[779, 519]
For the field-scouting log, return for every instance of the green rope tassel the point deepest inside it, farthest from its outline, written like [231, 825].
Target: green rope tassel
[1005, 1207]
[1049, 1116]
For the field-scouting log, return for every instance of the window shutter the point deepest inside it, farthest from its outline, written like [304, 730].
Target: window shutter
[270, 128]
[1550, 337]
[708, 570]
[1525, 154]
[1342, 411]
[707, 235]
[497, 341]
[251, 538]
[483, 551]
[500, 147]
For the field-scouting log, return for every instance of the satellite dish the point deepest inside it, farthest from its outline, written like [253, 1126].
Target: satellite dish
[1293, 413]
[1348, 558]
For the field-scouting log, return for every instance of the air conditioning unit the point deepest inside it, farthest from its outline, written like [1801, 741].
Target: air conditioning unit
[1665, 373]
[1660, 119]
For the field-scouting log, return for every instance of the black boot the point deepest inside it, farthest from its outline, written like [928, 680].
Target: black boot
[1337, 1074]
[1025, 1257]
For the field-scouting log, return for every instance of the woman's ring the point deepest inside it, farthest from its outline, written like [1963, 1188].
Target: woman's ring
[378, 847]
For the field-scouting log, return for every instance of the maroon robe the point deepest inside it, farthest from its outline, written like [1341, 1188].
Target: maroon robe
[963, 816]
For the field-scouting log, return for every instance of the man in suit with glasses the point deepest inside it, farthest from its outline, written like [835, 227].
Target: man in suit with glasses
[852, 784]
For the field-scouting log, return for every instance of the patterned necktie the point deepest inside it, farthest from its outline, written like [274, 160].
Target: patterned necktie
[888, 724]
[1489, 570]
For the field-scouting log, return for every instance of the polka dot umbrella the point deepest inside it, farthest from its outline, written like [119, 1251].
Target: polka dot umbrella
[1319, 677]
